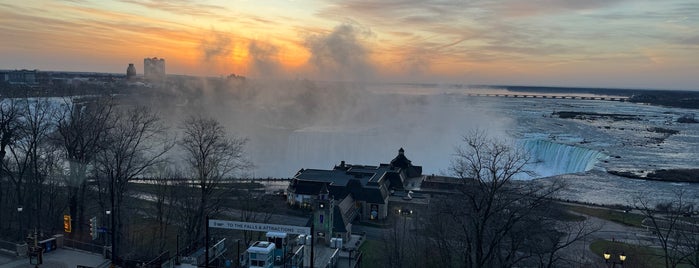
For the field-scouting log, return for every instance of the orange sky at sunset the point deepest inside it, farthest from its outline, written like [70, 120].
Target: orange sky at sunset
[615, 43]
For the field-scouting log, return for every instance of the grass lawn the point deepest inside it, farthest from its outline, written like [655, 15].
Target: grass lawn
[636, 256]
[371, 250]
[625, 218]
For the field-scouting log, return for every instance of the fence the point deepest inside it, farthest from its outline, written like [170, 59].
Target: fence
[89, 247]
[12, 248]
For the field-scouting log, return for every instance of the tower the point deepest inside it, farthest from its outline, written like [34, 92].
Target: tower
[130, 72]
[323, 215]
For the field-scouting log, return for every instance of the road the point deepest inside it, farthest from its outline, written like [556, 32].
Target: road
[580, 252]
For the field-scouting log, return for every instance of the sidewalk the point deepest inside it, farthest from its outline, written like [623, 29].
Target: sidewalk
[60, 258]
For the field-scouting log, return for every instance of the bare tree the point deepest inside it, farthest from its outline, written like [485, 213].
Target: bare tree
[81, 127]
[135, 143]
[9, 128]
[493, 220]
[253, 208]
[28, 163]
[689, 243]
[674, 234]
[548, 244]
[405, 245]
[164, 205]
[212, 155]
[40, 154]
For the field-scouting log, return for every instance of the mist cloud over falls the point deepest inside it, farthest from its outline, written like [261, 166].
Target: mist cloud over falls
[304, 124]
[340, 54]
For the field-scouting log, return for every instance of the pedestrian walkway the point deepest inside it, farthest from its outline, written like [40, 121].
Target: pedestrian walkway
[60, 258]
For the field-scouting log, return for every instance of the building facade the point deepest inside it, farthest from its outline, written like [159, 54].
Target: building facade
[353, 192]
[154, 69]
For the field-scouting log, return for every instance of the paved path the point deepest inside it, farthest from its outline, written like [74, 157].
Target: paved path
[60, 258]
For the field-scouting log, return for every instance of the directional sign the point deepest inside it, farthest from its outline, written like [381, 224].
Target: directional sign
[261, 227]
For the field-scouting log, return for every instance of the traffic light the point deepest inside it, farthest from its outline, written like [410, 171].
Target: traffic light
[66, 224]
[93, 227]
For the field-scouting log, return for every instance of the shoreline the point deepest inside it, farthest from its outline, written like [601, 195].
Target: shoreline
[664, 175]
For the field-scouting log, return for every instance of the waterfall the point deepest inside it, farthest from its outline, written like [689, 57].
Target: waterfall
[550, 158]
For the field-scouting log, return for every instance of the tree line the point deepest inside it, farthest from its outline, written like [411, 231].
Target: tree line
[78, 158]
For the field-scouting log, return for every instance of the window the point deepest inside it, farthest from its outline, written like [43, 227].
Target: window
[257, 263]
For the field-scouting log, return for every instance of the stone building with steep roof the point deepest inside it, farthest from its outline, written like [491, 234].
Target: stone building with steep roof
[359, 192]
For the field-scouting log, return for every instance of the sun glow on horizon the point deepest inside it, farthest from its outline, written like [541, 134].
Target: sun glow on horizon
[602, 43]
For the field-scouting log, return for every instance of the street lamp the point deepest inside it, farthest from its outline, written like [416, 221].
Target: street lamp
[608, 259]
[110, 231]
[19, 221]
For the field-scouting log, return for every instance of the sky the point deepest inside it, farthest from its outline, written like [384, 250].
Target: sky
[591, 43]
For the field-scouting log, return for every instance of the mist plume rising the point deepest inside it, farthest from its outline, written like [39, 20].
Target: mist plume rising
[294, 124]
[340, 54]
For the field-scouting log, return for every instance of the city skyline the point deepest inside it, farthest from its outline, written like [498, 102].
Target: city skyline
[629, 44]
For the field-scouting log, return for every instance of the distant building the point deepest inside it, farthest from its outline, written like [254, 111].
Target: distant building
[130, 72]
[349, 192]
[154, 69]
[20, 77]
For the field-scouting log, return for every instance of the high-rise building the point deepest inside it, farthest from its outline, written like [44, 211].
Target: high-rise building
[154, 69]
[130, 72]
[20, 77]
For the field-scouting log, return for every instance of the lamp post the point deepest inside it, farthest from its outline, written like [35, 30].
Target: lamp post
[608, 259]
[19, 222]
[110, 231]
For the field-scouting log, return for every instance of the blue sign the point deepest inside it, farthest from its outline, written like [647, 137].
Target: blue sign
[102, 230]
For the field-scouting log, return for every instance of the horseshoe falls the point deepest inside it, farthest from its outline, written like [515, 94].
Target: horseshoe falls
[550, 158]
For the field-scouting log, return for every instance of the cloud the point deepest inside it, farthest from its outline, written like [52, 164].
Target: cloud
[340, 54]
[514, 8]
[694, 41]
[216, 45]
[180, 7]
[264, 59]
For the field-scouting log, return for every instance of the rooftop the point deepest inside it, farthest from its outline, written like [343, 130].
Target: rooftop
[261, 247]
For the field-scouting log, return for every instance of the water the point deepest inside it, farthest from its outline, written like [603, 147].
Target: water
[552, 158]
[320, 128]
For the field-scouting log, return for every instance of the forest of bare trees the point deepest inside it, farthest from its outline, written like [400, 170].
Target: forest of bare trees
[79, 157]
[493, 221]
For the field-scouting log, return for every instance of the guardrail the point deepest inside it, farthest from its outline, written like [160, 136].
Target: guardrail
[89, 247]
[12, 248]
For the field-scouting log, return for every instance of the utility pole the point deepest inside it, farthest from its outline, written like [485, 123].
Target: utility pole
[206, 242]
[313, 238]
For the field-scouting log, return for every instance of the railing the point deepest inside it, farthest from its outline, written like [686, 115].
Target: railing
[12, 248]
[7, 245]
[89, 247]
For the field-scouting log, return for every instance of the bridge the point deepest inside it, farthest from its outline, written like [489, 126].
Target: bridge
[540, 96]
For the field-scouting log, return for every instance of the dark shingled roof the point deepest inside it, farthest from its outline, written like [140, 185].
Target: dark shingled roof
[339, 222]
[365, 183]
